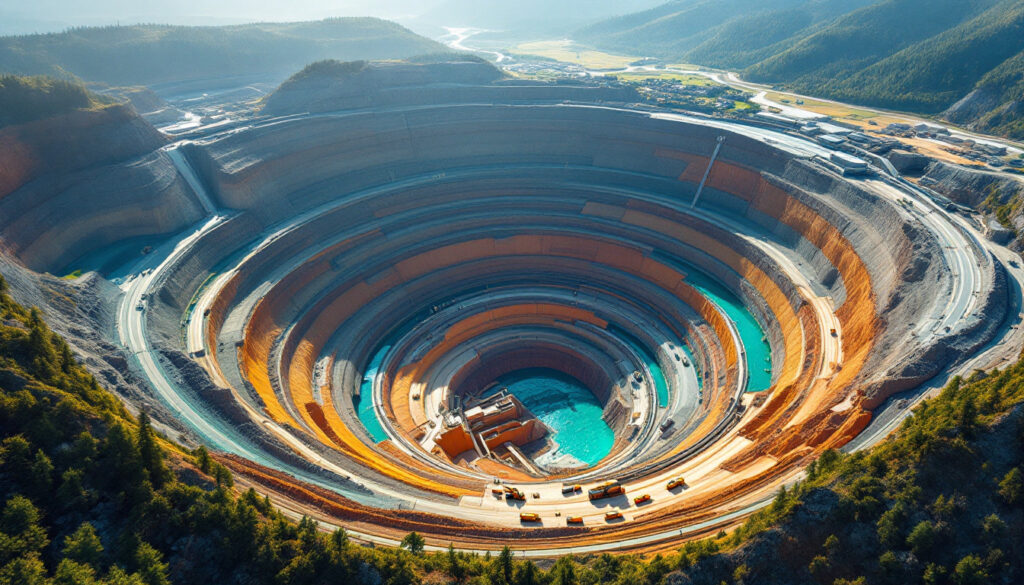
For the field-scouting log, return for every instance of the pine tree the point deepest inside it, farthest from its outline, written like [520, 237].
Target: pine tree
[150, 453]
[71, 573]
[453, 565]
[564, 572]
[527, 574]
[41, 352]
[413, 542]
[150, 566]
[222, 476]
[41, 475]
[1011, 487]
[339, 540]
[20, 530]
[203, 459]
[66, 359]
[84, 546]
[501, 568]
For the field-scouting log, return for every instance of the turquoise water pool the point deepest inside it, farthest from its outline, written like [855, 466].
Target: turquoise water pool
[759, 354]
[364, 404]
[567, 407]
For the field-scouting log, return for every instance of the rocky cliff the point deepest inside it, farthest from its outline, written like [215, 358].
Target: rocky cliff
[998, 195]
[74, 183]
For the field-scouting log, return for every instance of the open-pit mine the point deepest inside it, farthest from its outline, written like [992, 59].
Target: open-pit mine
[497, 311]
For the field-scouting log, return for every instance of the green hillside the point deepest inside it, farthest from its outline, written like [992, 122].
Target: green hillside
[715, 32]
[90, 495]
[1001, 92]
[915, 55]
[903, 55]
[24, 99]
[155, 54]
[751, 38]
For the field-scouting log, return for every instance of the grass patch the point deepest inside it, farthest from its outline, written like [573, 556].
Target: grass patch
[688, 66]
[820, 107]
[683, 78]
[570, 52]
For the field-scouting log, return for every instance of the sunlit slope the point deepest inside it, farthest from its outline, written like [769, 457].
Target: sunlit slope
[154, 54]
[912, 55]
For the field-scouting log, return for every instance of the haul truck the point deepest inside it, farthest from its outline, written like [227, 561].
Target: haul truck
[606, 490]
[512, 493]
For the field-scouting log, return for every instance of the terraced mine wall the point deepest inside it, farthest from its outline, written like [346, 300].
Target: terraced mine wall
[79, 183]
[319, 174]
[192, 271]
[338, 157]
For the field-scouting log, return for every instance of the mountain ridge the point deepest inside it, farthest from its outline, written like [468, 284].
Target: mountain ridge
[158, 54]
[912, 55]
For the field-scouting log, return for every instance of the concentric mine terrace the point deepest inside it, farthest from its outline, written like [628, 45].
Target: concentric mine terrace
[385, 314]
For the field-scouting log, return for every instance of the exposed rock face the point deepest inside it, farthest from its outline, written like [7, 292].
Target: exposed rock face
[971, 187]
[83, 312]
[982, 326]
[989, 109]
[973, 106]
[71, 142]
[987, 192]
[907, 268]
[72, 184]
[908, 163]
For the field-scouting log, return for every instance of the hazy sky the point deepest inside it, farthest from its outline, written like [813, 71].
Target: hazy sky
[29, 16]
[20, 16]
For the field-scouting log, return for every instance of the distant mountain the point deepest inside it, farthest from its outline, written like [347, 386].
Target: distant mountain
[723, 32]
[997, 102]
[42, 16]
[914, 54]
[526, 17]
[917, 55]
[156, 54]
